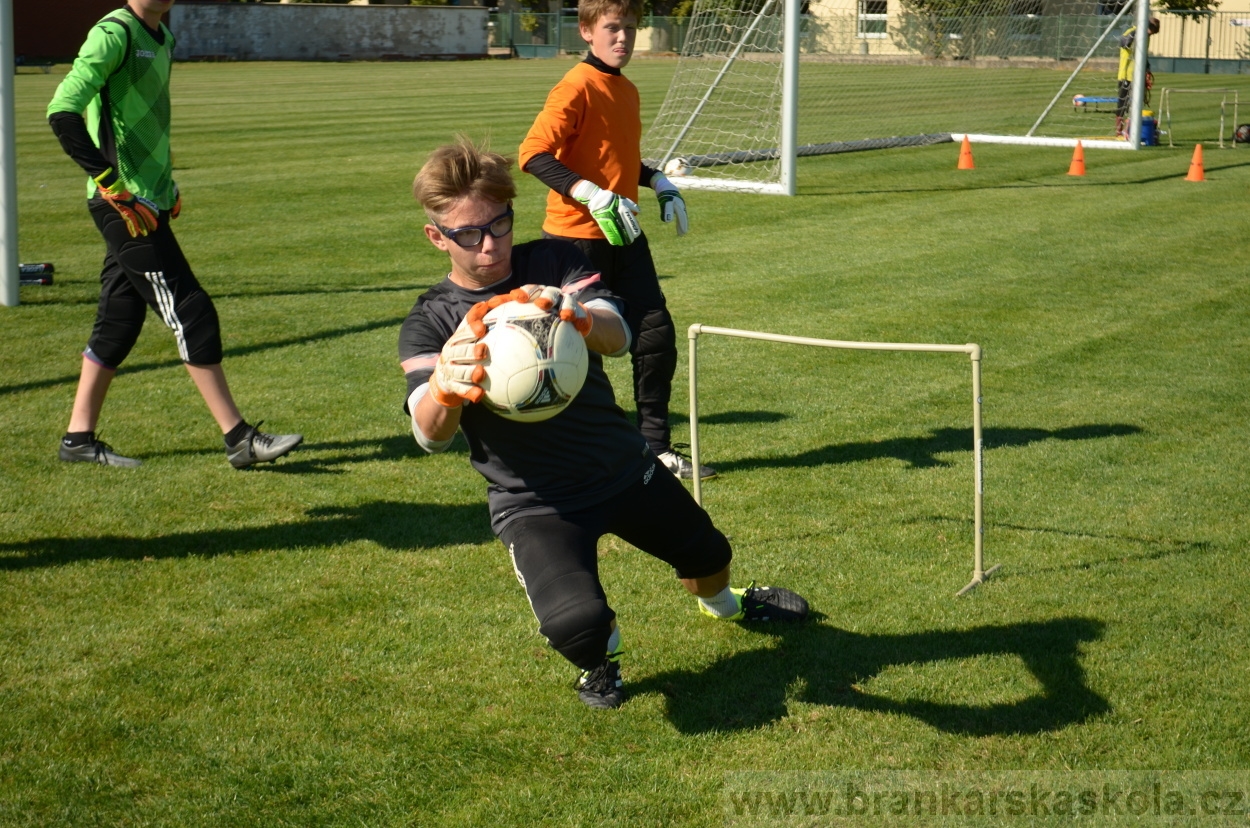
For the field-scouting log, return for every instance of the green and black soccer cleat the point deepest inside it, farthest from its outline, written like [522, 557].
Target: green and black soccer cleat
[769, 604]
[602, 688]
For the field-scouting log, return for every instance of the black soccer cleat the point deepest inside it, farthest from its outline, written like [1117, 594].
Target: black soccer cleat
[96, 451]
[771, 604]
[258, 447]
[602, 688]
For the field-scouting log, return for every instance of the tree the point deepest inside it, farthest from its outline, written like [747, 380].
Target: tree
[935, 27]
[1175, 6]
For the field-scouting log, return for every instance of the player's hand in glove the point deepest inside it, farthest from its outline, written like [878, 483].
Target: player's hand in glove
[473, 319]
[550, 297]
[672, 205]
[139, 214]
[616, 215]
[459, 368]
[544, 297]
[176, 210]
[574, 311]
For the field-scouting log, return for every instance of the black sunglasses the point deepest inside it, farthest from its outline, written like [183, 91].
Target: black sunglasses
[498, 227]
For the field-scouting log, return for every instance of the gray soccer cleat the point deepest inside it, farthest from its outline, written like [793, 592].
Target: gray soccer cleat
[678, 462]
[259, 447]
[97, 451]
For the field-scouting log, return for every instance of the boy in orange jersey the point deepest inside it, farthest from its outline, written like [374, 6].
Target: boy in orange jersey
[586, 146]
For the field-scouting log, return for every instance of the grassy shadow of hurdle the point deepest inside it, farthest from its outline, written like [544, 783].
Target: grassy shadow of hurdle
[749, 690]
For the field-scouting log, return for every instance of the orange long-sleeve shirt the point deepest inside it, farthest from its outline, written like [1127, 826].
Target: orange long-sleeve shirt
[591, 123]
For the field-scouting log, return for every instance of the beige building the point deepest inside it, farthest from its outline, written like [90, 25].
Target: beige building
[1056, 29]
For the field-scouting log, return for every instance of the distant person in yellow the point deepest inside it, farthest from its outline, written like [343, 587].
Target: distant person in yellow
[1124, 77]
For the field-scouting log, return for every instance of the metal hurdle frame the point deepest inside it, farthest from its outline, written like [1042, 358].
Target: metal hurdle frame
[979, 572]
[1166, 105]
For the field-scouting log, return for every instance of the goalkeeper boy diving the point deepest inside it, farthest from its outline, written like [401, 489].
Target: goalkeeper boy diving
[556, 486]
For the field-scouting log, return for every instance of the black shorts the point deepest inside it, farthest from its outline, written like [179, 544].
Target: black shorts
[149, 272]
[553, 554]
[1124, 98]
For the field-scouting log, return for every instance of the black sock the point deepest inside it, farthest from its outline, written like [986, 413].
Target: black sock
[237, 433]
[74, 439]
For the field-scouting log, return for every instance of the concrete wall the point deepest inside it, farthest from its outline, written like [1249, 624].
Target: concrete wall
[250, 31]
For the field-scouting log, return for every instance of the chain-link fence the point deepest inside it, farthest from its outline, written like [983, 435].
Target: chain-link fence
[530, 34]
[1191, 42]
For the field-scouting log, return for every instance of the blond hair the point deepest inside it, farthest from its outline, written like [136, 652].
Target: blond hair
[459, 170]
[589, 11]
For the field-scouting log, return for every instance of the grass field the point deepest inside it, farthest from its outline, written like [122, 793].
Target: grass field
[339, 640]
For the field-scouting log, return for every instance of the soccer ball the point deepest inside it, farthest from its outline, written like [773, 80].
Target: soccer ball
[537, 362]
[1242, 135]
[677, 167]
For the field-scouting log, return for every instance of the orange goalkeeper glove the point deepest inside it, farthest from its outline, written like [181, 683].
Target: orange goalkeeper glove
[549, 297]
[575, 312]
[139, 213]
[459, 368]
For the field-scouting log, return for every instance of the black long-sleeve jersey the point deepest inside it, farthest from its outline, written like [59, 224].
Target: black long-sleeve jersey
[582, 456]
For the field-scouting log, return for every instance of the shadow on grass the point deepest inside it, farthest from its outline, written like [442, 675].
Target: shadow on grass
[388, 524]
[93, 298]
[731, 417]
[749, 690]
[341, 453]
[921, 452]
[1151, 549]
[241, 350]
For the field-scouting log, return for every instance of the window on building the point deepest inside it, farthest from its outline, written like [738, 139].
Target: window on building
[872, 18]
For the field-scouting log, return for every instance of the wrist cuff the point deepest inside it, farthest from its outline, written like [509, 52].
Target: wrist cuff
[584, 190]
[106, 180]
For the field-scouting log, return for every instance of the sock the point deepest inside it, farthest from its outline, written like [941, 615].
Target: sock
[614, 641]
[74, 439]
[237, 433]
[723, 604]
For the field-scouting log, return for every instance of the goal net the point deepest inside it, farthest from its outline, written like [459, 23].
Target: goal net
[883, 73]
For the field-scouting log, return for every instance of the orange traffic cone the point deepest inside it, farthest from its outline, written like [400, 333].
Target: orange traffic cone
[1195, 166]
[1077, 167]
[965, 155]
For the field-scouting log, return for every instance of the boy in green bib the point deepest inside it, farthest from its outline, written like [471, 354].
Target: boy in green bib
[111, 114]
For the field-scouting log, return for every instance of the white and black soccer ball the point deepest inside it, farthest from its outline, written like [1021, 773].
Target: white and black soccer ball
[537, 362]
[677, 167]
[1242, 134]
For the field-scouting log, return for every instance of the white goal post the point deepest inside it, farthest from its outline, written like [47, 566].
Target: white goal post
[979, 572]
[9, 270]
[762, 83]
